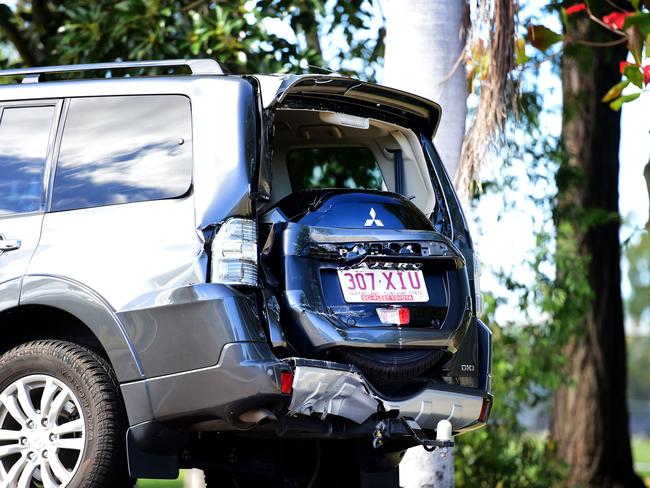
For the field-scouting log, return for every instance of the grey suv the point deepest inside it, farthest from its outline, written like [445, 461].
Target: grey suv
[266, 277]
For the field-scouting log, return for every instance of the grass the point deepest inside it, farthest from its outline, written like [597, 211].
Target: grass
[161, 483]
[641, 453]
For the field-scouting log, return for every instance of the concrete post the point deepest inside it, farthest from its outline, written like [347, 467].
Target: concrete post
[443, 458]
[194, 479]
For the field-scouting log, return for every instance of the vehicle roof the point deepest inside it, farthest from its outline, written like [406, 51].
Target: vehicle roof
[112, 86]
[275, 89]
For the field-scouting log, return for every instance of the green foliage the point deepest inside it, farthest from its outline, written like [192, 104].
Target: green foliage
[640, 20]
[527, 368]
[612, 24]
[351, 167]
[503, 453]
[638, 256]
[527, 355]
[235, 32]
[542, 37]
[638, 349]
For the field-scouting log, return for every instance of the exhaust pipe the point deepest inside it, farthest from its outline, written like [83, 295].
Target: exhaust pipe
[257, 416]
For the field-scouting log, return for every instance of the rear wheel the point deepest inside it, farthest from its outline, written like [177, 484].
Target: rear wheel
[390, 364]
[62, 422]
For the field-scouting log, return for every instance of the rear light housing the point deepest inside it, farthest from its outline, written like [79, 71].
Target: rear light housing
[394, 315]
[286, 382]
[485, 410]
[234, 253]
[477, 284]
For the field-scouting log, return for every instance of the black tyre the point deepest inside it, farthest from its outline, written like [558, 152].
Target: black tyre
[390, 364]
[62, 421]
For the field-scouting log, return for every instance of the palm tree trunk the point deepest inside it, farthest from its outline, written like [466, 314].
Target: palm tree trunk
[424, 43]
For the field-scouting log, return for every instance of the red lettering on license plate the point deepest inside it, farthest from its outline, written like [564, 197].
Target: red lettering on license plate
[371, 285]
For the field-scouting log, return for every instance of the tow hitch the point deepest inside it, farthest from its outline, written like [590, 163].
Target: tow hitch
[405, 427]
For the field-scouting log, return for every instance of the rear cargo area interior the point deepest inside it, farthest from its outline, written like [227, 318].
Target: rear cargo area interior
[305, 141]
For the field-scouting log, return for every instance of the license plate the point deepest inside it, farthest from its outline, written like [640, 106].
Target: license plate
[373, 285]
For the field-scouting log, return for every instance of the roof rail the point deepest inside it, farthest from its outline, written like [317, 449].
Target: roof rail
[196, 66]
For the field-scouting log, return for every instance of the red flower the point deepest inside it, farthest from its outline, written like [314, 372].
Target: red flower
[574, 9]
[616, 19]
[646, 74]
[624, 64]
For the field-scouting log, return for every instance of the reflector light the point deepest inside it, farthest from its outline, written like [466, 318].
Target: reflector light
[286, 382]
[485, 409]
[394, 315]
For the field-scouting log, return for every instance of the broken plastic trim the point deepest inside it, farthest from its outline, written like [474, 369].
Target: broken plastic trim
[326, 388]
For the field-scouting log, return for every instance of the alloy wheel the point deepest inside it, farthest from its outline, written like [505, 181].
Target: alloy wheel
[42, 433]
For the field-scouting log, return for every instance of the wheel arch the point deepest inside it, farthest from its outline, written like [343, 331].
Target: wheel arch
[53, 307]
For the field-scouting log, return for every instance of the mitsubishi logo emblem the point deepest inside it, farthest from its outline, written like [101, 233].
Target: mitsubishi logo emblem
[373, 219]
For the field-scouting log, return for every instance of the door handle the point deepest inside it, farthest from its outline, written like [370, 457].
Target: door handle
[8, 244]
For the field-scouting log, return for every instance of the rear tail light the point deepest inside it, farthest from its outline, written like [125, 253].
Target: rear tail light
[286, 382]
[234, 253]
[485, 410]
[394, 315]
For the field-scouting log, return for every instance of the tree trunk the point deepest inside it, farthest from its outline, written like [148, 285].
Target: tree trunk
[423, 46]
[590, 418]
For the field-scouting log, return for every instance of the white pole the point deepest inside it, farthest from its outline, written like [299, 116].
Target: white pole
[443, 458]
[194, 479]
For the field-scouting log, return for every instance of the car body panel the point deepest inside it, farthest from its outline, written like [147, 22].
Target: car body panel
[246, 376]
[188, 354]
[185, 328]
[13, 264]
[212, 97]
[91, 309]
[276, 89]
[152, 245]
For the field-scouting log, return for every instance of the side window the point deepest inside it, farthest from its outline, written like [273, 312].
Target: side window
[122, 150]
[24, 138]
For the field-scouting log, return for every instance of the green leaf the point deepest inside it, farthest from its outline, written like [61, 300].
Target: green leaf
[542, 37]
[618, 103]
[615, 91]
[520, 52]
[634, 74]
[635, 4]
[640, 20]
[122, 6]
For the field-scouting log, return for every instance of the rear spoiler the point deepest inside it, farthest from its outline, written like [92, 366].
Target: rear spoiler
[314, 91]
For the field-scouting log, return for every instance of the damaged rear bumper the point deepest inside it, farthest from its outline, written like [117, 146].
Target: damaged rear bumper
[325, 388]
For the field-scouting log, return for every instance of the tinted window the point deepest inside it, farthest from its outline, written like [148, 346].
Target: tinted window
[24, 136]
[124, 149]
[334, 167]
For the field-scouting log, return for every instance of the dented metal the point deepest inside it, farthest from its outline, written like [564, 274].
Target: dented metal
[326, 388]
[341, 392]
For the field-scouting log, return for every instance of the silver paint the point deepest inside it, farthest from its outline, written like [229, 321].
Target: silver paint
[331, 391]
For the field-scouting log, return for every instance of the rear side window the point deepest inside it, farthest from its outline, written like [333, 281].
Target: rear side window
[334, 167]
[24, 138]
[122, 150]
